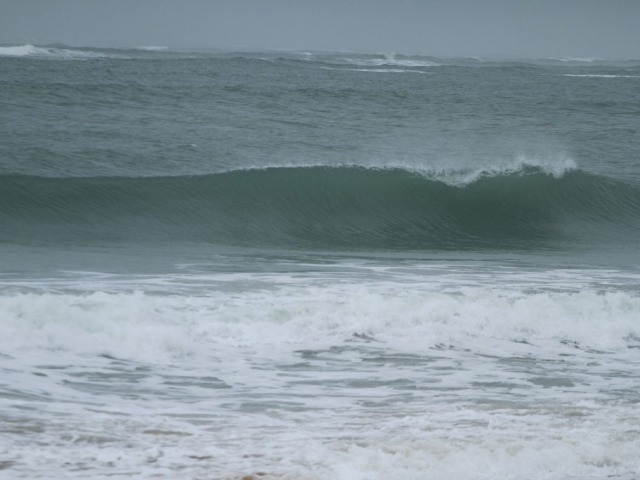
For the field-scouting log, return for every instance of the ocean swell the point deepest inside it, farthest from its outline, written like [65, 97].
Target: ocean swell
[325, 207]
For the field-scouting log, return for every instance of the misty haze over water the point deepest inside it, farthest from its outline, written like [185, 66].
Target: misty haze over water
[517, 28]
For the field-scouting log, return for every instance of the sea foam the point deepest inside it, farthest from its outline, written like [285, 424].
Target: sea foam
[577, 59]
[146, 327]
[391, 60]
[451, 173]
[597, 76]
[152, 48]
[345, 381]
[50, 52]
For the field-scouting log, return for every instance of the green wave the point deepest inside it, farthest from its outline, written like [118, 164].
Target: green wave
[323, 207]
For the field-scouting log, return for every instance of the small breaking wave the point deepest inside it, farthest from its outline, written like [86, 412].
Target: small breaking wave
[597, 76]
[390, 59]
[52, 53]
[577, 59]
[377, 70]
[152, 48]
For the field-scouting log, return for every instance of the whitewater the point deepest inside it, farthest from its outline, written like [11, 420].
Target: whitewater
[274, 264]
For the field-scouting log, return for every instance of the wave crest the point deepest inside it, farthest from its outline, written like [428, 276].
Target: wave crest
[519, 206]
[390, 59]
[152, 48]
[49, 52]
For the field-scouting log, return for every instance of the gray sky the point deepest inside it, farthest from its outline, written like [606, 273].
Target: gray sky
[530, 28]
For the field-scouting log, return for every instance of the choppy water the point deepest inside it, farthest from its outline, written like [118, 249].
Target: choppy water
[317, 265]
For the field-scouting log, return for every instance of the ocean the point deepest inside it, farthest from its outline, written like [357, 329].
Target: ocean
[318, 265]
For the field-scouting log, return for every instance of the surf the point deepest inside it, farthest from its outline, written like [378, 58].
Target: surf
[323, 207]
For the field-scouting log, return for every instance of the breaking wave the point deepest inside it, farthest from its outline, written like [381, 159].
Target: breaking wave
[520, 207]
[152, 48]
[390, 59]
[66, 53]
[161, 328]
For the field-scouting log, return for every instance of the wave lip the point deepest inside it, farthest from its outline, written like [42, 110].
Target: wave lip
[519, 206]
[461, 177]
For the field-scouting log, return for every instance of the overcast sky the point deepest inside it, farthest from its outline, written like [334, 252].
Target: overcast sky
[529, 28]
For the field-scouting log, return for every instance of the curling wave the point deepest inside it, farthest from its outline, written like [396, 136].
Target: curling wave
[325, 207]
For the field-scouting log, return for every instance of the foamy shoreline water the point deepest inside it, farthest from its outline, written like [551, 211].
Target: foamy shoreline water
[319, 381]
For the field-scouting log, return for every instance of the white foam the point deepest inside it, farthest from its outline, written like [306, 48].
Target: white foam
[577, 59]
[456, 175]
[381, 70]
[435, 384]
[555, 166]
[19, 51]
[152, 48]
[460, 175]
[440, 442]
[46, 52]
[158, 328]
[598, 76]
[390, 59]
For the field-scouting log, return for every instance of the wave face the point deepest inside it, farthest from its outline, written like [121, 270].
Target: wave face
[323, 207]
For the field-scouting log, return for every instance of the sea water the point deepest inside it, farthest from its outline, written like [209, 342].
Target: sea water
[317, 265]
